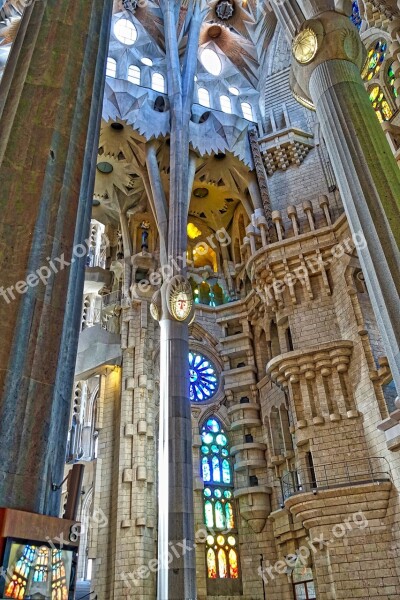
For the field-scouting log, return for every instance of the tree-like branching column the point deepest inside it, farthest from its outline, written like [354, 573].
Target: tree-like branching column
[177, 580]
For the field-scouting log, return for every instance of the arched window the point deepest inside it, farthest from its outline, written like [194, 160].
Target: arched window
[247, 111]
[376, 56]
[111, 70]
[35, 565]
[158, 82]
[134, 74]
[204, 97]
[380, 104]
[391, 80]
[219, 512]
[226, 104]
[203, 378]
[303, 582]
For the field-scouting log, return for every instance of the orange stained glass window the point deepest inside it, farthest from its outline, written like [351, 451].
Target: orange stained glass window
[211, 564]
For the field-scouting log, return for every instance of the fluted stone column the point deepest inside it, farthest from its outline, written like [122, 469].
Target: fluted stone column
[50, 106]
[366, 171]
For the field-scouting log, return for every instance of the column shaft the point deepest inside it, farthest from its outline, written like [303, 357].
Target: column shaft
[176, 581]
[49, 116]
[369, 182]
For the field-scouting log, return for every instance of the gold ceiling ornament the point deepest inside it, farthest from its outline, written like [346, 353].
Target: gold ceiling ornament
[179, 298]
[156, 306]
[305, 46]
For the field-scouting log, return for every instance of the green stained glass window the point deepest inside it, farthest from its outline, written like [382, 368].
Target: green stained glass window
[376, 56]
[209, 513]
[392, 79]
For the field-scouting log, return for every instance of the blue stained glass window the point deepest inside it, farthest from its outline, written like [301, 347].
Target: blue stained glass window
[355, 15]
[216, 469]
[213, 425]
[226, 471]
[203, 378]
[206, 470]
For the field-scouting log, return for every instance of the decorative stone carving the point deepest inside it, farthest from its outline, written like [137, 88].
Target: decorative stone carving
[281, 149]
[260, 173]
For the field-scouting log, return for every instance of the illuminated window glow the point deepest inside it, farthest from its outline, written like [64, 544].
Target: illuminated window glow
[193, 231]
[125, 32]
[226, 105]
[221, 553]
[380, 104]
[204, 97]
[203, 379]
[392, 79]
[376, 56]
[247, 111]
[211, 61]
[158, 82]
[111, 70]
[134, 74]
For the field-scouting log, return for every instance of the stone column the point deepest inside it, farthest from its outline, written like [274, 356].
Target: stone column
[176, 581]
[49, 117]
[365, 169]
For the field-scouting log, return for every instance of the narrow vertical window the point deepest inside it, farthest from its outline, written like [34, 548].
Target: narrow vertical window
[219, 512]
[247, 111]
[111, 70]
[226, 105]
[158, 82]
[134, 74]
[204, 97]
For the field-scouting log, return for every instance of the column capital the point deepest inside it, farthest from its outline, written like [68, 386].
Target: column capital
[330, 36]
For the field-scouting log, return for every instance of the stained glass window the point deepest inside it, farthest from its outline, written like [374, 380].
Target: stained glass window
[380, 104]
[211, 564]
[203, 378]
[355, 15]
[39, 568]
[17, 586]
[376, 56]
[42, 565]
[219, 514]
[392, 78]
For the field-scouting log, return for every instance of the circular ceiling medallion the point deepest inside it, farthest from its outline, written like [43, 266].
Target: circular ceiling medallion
[105, 167]
[200, 192]
[225, 9]
[305, 46]
[180, 298]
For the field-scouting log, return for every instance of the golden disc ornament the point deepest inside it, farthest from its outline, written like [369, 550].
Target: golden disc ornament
[156, 306]
[305, 46]
[179, 298]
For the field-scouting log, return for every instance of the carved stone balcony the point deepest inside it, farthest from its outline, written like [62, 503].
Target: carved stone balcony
[250, 455]
[254, 505]
[310, 375]
[244, 415]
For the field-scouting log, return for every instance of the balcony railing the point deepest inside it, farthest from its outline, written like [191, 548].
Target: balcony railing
[335, 475]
